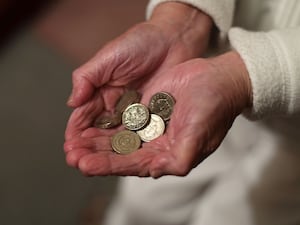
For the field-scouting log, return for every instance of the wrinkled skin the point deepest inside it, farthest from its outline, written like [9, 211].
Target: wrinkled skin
[157, 55]
[137, 55]
[209, 94]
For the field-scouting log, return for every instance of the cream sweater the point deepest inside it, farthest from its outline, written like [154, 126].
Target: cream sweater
[267, 36]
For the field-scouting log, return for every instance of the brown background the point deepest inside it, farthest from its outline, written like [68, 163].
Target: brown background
[37, 188]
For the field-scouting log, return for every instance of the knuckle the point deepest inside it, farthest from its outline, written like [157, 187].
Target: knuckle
[89, 167]
[77, 73]
[181, 170]
[85, 73]
[84, 167]
[71, 160]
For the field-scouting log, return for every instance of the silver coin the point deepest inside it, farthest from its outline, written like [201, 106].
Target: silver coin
[153, 130]
[162, 104]
[135, 116]
[125, 142]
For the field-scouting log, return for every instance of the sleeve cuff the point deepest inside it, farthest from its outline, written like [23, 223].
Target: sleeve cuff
[220, 11]
[272, 69]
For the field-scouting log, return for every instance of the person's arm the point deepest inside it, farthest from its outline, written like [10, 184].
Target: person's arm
[273, 63]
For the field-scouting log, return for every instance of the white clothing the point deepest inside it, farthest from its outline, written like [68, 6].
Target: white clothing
[272, 56]
[250, 182]
[253, 178]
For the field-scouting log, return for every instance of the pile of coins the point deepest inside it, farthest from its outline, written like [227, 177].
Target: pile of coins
[142, 123]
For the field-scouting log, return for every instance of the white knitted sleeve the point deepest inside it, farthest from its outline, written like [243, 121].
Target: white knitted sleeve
[273, 62]
[220, 11]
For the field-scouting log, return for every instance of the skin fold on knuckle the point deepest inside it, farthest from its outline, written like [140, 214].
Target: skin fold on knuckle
[71, 159]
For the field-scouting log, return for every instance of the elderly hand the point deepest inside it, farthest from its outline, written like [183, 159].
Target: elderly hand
[209, 94]
[175, 33]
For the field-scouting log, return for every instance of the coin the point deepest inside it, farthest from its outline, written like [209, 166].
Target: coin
[154, 129]
[135, 116]
[162, 104]
[125, 142]
[128, 98]
[106, 122]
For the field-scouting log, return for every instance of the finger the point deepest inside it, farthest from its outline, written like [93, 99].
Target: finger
[110, 163]
[101, 143]
[77, 143]
[82, 89]
[96, 132]
[110, 96]
[92, 75]
[83, 117]
[73, 157]
[92, 132]
[86, 79]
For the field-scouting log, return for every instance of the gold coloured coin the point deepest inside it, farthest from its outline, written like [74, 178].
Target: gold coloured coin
[106, 122]
[153, 130]
[125, 142]
[162, 104]
[135, 116]
[128, 98]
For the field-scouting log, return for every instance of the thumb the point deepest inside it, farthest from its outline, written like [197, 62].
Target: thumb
[85, 80]
[98, 71]
[82, 90]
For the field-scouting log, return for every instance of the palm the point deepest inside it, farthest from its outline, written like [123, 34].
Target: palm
[198, 124]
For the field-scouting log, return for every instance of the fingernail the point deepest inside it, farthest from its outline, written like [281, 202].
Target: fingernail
[71, 97]
[70, 100]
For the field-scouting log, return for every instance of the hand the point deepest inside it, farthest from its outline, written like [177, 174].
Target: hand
[209, 94]
[175, 33]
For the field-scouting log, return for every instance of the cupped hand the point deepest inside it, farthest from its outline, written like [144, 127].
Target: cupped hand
[209, 94]
[175, 33]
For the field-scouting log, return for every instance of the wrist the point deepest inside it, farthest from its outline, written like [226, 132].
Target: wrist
[237, 74]
[184, 23]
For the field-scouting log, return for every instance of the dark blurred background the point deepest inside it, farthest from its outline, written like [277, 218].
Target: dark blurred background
[41, 43]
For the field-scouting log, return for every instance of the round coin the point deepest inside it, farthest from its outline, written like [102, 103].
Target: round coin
[128, 98]
[106, 122]
[125, 142]
[153, 130]
[135, 116]
[162, 104]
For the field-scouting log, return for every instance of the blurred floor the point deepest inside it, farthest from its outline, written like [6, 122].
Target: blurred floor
[37, 188]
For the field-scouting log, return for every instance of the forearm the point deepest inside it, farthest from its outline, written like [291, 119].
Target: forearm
[185, 22]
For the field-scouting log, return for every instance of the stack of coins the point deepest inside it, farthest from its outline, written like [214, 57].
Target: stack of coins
[142, 123]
